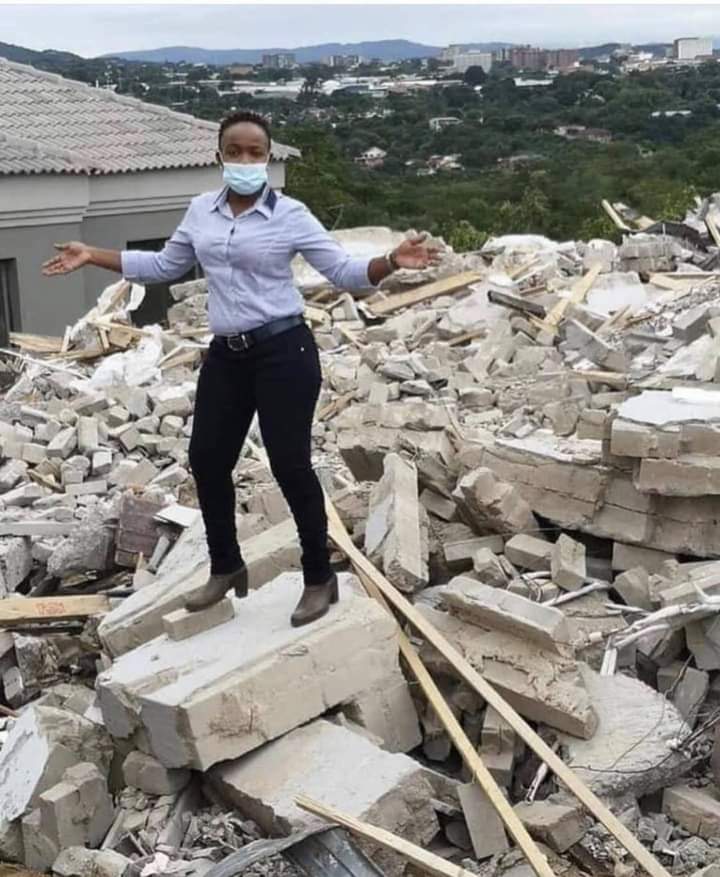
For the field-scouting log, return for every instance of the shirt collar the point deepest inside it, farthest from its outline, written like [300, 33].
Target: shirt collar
[265, 204]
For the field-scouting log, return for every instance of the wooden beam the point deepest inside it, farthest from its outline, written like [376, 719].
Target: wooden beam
[427, 862]
[579, 290]
[20, 610]
[446, 286]
[614, 216]
[469, 754]
[470, 675]
[712, 229]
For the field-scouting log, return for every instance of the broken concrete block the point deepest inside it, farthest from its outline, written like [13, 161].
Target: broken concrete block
[388, 712]
[438, 505]
[542, 686]
[486, 828]
[87, 435]
[41, 745]
[703, 641]
[181, 624]
[686, 688]
[495, 609]
[144, 772]
[81, 862]
[11, 473]
[340, 769]
[97, 487]
[63, 444]
[634, 587]
[90, 547]
[557, 825]
[501, 764]
[490, 503]
[78, 810]
[687, 475]
[39, 851]
[15, 562]
[101, 462]
[393, 536]
[632, 751]
[251, 679]
[567, 563]
[170, 400]
[696, 810]
[460, 554]
[691, 324]
[489, 569]
[139, 617]
[529, 552]
[496, 733]
[91, 403]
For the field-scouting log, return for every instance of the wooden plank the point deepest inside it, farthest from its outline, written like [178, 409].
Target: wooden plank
[349, 336]
[470, 675]
[446, 286]
[579, 291]
[468, 752]
[20, 610]
[114, 299]
[336, 406]
[427, 862]
[468, 336]
[713, 229]
[516, 303]
[614, 216]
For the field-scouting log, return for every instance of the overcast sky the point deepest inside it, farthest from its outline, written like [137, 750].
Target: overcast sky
[94, 30]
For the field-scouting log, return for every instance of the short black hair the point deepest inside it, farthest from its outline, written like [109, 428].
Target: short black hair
[244, 116]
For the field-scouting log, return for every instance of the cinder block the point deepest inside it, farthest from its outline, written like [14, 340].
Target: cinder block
[529, 552]
[181, 624]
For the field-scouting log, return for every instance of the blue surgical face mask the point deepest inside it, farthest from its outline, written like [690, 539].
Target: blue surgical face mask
[245, 178]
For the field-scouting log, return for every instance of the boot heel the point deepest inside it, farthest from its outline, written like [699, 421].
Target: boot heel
[334, 591]
[241, 582]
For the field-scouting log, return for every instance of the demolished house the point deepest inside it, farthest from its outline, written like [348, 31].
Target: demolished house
[520, 453]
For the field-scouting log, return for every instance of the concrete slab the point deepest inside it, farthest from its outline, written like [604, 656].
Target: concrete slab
[340, 769]
[251, 679]
[631, 749]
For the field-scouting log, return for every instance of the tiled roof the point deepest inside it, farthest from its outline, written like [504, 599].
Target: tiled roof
[49, 124]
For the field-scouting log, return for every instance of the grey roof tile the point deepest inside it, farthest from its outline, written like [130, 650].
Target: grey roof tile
[49, 124]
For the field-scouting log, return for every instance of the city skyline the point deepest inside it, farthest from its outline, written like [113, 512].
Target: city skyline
[95, 30]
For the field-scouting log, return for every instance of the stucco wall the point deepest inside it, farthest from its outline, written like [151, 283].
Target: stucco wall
[107, 211]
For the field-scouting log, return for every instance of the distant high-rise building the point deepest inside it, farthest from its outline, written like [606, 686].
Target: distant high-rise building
[450, 52]
[465, 60]
[689, 48]
[562, 59]
[343, 60]
[532, 58]
[279, 60]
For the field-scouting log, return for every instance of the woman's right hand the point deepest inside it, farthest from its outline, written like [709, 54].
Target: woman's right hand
[72, 255]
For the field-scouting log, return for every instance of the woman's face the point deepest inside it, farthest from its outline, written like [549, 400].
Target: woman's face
[244, 143]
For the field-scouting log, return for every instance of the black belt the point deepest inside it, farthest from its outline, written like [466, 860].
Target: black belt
[246, 340]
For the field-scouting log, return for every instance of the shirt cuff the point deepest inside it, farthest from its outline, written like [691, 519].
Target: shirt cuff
[129, 262]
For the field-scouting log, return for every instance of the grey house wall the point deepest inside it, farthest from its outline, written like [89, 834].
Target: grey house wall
[37, 210]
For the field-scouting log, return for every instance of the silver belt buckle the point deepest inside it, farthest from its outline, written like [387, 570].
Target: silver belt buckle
[244, 342]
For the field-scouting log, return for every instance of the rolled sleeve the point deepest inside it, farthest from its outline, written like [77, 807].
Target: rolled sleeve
[176, 258]
[327, 256]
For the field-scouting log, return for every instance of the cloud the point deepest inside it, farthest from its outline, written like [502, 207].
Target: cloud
[95, 30]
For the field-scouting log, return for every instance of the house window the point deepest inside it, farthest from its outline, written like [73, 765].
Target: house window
[157, 295]
[9, 303]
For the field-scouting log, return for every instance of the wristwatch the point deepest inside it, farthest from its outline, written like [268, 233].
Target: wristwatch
[391, 260]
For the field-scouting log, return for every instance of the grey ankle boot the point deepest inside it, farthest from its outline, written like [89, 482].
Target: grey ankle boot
[315, 602]
[216, 587]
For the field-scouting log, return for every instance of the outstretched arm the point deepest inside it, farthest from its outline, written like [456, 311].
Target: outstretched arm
[175, 259]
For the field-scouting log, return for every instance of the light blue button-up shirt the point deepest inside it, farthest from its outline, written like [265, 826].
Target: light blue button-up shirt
[246, 258]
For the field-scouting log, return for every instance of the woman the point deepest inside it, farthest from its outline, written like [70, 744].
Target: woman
[263, 356]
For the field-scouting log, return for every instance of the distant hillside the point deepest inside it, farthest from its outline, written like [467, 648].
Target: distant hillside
[21, 55]
[386, 50]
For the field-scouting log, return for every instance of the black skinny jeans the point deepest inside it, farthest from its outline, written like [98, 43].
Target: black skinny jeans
[280, 379]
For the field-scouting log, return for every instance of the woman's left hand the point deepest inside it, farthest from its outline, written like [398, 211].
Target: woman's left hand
[415, 253]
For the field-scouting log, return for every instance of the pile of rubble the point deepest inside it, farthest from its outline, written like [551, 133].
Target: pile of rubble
[524, 441]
